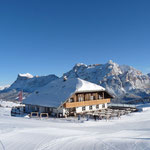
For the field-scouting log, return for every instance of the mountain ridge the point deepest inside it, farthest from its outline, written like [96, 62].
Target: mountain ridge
[26, 83]
[119, 80]
[122, 81]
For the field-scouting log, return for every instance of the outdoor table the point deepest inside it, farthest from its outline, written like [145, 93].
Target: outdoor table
[114, 115]
[133, 109]
[109, 110]
[96, 114]
[108, 113]
[102, 113]
[127, 112]
[122, 112]
[116, 110]
[106, 117]
[89, 114]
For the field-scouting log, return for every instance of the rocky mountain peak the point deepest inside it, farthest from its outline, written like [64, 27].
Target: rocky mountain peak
[30, 83]
[80, 64]
[117, 79]
[26, 75]
[120, 80]
[110, 62]
[113, 68]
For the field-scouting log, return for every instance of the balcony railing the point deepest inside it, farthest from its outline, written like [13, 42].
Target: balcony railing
[86, 103]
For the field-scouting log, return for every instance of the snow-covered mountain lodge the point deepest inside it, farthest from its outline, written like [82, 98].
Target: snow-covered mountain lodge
[68, 96]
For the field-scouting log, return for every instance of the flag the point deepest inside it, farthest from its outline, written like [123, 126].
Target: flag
[20, 96]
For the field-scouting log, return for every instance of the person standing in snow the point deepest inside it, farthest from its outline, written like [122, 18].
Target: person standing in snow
[94, 117]
[79, 117]
[87, 117]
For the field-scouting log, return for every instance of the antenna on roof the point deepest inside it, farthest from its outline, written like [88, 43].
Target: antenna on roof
[65, 78]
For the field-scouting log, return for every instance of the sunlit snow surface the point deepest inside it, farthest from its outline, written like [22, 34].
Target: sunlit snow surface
[57, 91]
[131, 132]
[4, 87]
[28, 75]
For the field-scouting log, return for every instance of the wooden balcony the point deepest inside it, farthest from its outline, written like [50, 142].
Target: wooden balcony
[86, 103]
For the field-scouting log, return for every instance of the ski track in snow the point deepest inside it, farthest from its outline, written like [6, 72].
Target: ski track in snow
[131, 132]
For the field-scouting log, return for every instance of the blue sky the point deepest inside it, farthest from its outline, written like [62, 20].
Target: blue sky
[44, 37]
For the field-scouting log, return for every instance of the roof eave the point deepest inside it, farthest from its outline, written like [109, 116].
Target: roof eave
[86, 91]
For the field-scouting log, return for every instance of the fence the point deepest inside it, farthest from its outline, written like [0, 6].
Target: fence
[122, 105]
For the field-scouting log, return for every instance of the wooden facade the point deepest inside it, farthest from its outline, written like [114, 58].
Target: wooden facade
[76, 104]
[87, 99]
[85, 103]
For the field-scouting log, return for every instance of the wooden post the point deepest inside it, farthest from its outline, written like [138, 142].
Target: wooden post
[103, 95]
[75, 98]
[96, 96]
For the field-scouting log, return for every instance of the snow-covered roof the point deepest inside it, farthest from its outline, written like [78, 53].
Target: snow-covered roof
[56, 92]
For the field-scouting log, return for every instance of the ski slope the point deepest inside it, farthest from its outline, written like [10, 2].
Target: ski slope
[131, 132]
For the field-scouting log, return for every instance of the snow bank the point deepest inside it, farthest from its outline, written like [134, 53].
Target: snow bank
[9, 104]
[144, 107]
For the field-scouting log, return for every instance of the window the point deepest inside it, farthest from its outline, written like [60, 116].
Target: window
[100, 97]
[97, 106]
[103, 106]
[71, 100]
[80, 99]
[90, 107]
[83, 108]
[91, 97]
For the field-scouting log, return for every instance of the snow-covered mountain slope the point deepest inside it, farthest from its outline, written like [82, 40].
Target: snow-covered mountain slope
[120, 80]
[123, 81]
[27, 83]
[11, 95]
[148, 74]
[4, 87]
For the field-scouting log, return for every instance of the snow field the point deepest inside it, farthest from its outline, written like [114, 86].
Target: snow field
[131, 132]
